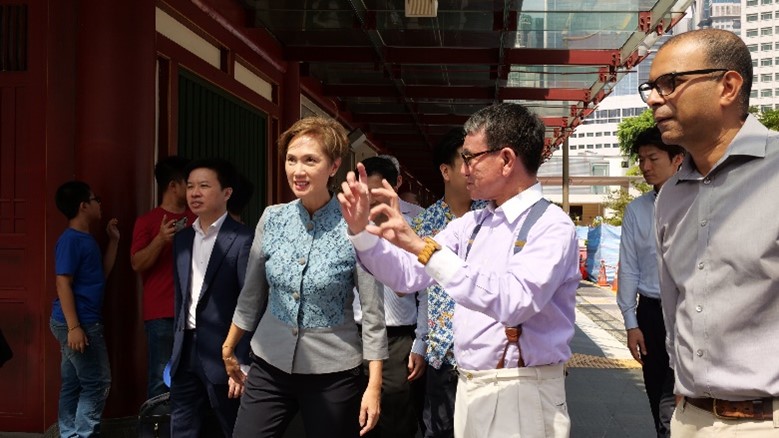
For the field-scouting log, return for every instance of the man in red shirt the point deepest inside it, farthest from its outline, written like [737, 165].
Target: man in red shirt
[151, 256]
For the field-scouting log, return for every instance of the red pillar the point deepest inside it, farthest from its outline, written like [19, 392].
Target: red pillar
[114, 153]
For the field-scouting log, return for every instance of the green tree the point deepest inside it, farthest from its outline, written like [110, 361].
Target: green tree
[617, 201]
[770, 119]
[628, 130]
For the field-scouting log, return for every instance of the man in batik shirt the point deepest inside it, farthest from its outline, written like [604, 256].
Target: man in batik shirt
[441, 384]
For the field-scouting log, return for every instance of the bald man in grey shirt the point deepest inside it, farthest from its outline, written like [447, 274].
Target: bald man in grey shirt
[718, 239]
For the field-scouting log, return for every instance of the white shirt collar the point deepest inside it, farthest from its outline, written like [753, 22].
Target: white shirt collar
[215, 227]
[520, 202]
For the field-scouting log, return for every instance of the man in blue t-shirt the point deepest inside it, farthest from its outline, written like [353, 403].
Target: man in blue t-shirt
[76, 319]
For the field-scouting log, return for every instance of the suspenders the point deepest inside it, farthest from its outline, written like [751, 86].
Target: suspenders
[536, 211]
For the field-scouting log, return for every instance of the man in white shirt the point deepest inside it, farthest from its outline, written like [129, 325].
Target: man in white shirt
[408, 209]
[406, 318]
[639, 280]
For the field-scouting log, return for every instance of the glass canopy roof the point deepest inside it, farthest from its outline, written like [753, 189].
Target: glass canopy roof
[407, 81]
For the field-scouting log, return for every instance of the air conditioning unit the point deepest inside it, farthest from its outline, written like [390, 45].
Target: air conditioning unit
[421, 8]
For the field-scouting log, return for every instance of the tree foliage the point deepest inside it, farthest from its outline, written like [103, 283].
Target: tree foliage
[617, 201]
[770, 119]
[630, 128]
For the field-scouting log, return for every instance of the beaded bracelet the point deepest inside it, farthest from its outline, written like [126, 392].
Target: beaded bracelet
[431, 246]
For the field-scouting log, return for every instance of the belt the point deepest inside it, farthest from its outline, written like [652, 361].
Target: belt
[758, 409]
[396, 330]
[649, 299]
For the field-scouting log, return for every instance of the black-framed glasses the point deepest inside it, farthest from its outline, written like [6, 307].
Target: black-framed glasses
[467, 156]
[666, 84]
[96, 199]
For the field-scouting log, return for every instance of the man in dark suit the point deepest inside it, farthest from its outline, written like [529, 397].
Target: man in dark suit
[209, 268]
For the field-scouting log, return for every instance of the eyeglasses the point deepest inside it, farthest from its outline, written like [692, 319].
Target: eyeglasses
[666, 84]
[96, 199]
[468, 157]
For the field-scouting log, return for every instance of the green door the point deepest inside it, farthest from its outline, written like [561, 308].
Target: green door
[213, 123]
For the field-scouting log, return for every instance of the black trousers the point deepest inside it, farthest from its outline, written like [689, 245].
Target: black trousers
[192, 396]
[329, 403]
[438, 414]
[399, 413]
[658, 375]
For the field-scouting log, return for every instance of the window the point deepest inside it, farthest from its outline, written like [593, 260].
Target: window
[766, 62]
[751, 33]
[767, 16]
[766, 93]
[589, 146]
[754, 64]
[751, 2]
[600, 114]
[614, 113]
[627, 112]
[751, 18]
[599, 134]
[752, 48]
[600, 145]
[589, 134]
[764, 108]
[765, 77]
[766, 2]
[776, 76]
[766, 31]
[753, 94]
[600, 170]
[765, 47]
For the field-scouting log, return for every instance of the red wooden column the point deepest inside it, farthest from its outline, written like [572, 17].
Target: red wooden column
[24, 304]
[114, 153]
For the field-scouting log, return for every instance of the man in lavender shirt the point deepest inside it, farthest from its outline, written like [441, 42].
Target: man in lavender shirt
[513, 264]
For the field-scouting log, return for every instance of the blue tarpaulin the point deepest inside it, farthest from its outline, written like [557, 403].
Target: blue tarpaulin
[582, 232]
[603, 244]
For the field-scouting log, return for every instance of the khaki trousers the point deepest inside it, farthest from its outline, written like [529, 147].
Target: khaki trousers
[689, 421]
[524, 402]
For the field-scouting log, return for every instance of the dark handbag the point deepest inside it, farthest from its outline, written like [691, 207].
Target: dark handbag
[154, 417]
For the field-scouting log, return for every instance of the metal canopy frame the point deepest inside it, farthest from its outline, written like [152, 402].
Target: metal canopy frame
[405, 82]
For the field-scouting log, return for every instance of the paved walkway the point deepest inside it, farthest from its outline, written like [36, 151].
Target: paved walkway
[605, 389]
[605, 386]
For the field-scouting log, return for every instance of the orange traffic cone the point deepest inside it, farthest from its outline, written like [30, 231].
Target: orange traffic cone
[615, 283]
[602, 280]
